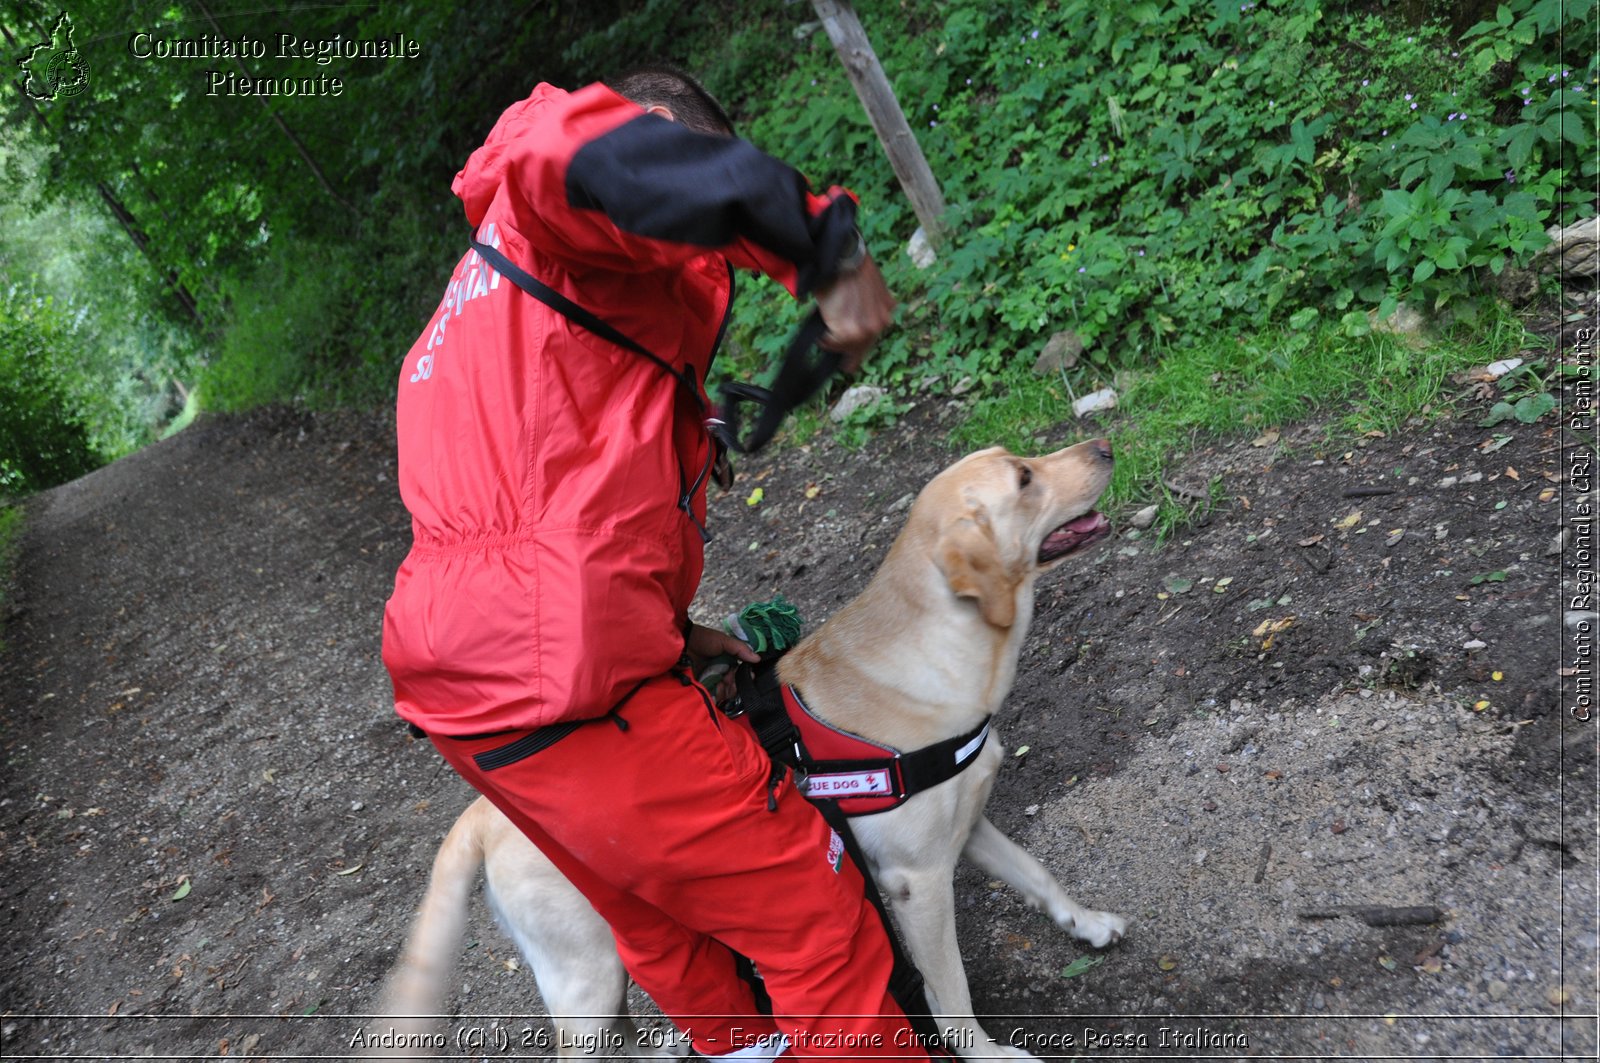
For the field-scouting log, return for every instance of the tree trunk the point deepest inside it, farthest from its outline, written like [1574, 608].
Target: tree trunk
[872, 86]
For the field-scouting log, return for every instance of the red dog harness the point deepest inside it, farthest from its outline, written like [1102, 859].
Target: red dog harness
[862, 776]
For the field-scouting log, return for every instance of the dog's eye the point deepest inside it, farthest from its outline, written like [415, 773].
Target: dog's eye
[1024, 476]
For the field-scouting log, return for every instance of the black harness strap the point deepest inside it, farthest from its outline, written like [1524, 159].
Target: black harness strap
[798, 379]
[580, 316]
[760, 696]
[911, 773]
[595, 324]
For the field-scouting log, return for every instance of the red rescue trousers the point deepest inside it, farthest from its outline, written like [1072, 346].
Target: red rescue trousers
[662, 822]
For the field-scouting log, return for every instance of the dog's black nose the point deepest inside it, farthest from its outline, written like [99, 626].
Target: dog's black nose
[1101, 447]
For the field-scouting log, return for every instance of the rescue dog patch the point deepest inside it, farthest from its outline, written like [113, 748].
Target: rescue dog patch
[849, 784]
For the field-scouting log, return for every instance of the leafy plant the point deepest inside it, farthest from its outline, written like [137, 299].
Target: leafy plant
[44, 438]
[1527, 397]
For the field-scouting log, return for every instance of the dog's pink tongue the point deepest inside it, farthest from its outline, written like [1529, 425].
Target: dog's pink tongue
[1073, 532]
[1086, 523]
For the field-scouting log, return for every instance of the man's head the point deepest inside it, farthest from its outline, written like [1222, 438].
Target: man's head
[664, 89]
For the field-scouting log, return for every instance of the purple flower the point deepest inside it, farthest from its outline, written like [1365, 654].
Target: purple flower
[1081, 269]
[1365, 82]
[1034, 35]
[1408, 95]
[1527, 92]
[1413, 107]
[1511, 177]
[1141, 252]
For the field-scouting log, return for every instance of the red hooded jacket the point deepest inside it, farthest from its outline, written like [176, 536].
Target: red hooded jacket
[545, 469]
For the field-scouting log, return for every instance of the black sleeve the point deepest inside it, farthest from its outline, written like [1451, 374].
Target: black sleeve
[657, 179]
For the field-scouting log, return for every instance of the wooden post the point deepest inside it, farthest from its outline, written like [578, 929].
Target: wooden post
[872, 86]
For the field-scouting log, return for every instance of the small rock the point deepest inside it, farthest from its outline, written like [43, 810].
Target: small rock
[903, 502]
[1573, 252]
[1502, 367]
[1060, 352]
[857, 398]
[962, 386]
[1378, 725]
[1104, 399]
[920, 249]
[1405, 322]
[1145, 517]
[1498, 990]
[1475, 644]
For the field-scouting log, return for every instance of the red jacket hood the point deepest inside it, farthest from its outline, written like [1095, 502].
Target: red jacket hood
[488, 168]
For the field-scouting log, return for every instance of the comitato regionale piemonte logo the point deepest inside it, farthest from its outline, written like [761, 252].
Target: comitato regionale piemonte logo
[55, 67]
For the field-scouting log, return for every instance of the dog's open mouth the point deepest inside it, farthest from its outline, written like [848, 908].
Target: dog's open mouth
[1074, 535]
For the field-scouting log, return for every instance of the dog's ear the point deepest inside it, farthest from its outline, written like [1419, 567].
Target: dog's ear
[971, 564]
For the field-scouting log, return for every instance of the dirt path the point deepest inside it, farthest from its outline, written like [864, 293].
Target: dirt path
[214, 829]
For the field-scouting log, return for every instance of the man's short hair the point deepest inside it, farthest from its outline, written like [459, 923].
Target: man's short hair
[664, 85]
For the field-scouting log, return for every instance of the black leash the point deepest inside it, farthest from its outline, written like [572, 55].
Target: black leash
[798, 380]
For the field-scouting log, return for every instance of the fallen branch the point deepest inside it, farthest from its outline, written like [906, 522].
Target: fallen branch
[1379, 914]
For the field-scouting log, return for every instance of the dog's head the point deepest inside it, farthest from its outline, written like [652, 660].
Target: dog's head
[1000, 519]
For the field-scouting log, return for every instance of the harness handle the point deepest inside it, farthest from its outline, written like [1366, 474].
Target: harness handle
[799, 378]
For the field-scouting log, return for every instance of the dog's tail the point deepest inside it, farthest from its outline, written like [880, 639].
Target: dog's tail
[416, 986]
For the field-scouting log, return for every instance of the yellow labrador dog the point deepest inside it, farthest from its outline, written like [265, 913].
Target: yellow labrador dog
[925, 653]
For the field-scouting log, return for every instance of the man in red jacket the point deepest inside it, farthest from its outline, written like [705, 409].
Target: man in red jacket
[555, 473]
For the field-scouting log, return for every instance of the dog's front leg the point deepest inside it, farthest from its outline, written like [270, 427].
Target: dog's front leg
[923, 903]
[1006, 860]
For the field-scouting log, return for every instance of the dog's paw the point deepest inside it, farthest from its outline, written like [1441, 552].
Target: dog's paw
[1098, 928]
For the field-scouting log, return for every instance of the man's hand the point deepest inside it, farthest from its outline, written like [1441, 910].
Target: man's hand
[706, 643]
[856, 307]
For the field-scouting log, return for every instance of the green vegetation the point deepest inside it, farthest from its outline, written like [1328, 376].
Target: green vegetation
[1225, 384]
[10, 533]
[1193, 188]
